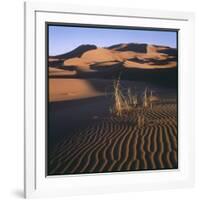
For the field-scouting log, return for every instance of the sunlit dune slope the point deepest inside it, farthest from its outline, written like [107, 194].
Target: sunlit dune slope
[87, 58]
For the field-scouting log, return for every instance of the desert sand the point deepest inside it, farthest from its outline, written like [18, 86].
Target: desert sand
[104, 143]
[71, 89]
[85, 135]
[56, 72]
[89, 59]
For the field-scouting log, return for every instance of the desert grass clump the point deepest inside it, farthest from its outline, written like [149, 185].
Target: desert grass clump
[149, 99]
[118, 98]
[128, 104]
[153, 99]
[132, 99]
[124, 101]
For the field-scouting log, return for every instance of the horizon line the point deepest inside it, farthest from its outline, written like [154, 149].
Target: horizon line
[85, 44]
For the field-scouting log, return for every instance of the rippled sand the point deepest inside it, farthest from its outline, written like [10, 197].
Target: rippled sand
[112, 144]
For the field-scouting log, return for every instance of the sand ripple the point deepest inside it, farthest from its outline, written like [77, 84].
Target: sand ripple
[112, 144]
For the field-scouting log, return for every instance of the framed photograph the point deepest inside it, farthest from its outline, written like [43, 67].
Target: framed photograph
[109, 100]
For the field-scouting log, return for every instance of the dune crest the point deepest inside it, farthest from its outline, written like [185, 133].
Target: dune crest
[99, 55]
[80, 64]
[89, 60]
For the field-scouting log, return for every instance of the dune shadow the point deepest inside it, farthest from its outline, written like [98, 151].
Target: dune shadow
[170, 52]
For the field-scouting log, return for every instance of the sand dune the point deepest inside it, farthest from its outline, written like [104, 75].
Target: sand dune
[125, 55]
[100, 55]
[136, 47]
[61, 89]
[85, 136]
[80, 64]
[155, 48]
[132, 64]
[77, 52]
[129, 55]
[114, 144]
[53, 71]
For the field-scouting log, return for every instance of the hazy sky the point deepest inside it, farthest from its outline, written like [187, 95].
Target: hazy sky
[63, 39]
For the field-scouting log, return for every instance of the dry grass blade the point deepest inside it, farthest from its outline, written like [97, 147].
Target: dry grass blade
[128, 104]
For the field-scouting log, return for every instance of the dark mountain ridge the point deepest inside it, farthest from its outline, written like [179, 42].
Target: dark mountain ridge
[77, 52]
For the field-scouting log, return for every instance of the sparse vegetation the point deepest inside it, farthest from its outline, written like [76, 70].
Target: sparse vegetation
[128, 103]
[124, 102]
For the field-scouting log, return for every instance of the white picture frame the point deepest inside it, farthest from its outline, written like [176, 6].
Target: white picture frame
[36, 183]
